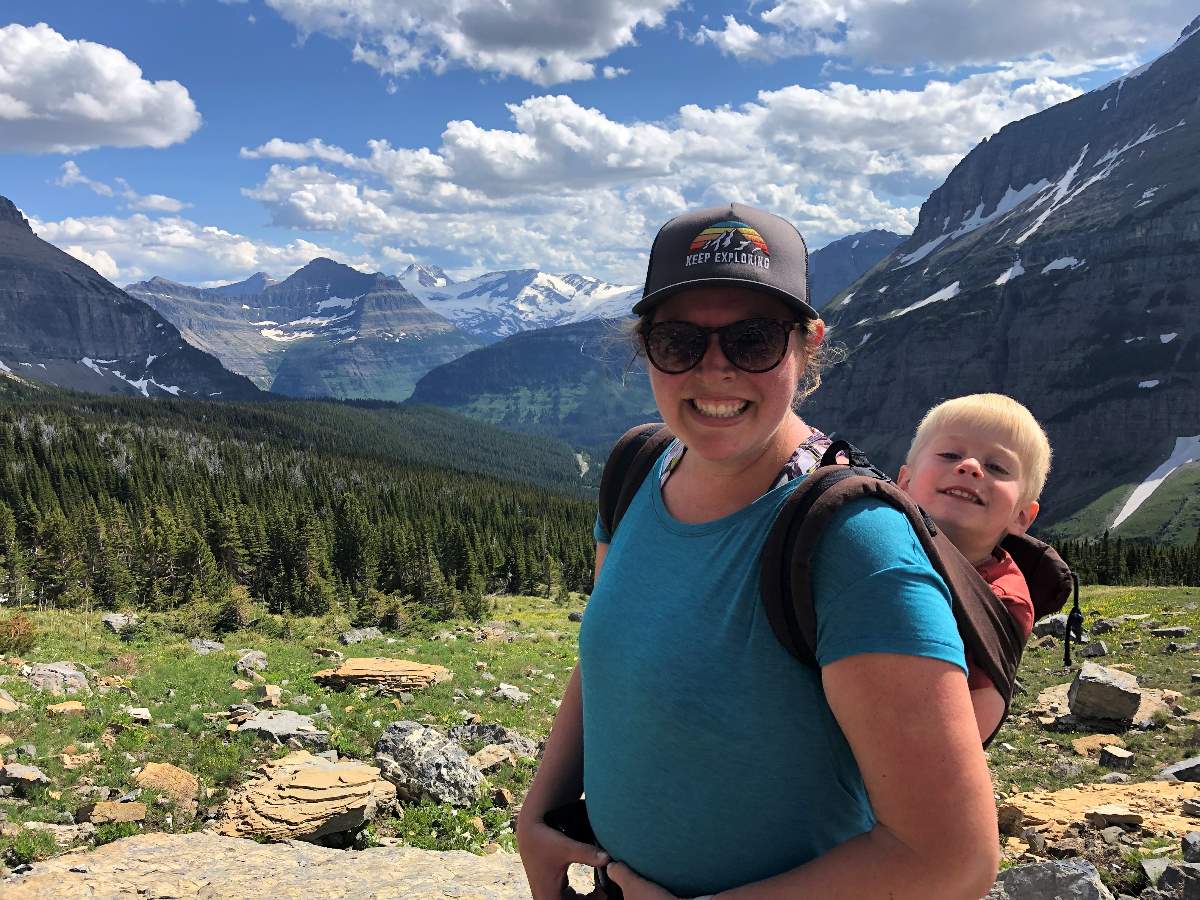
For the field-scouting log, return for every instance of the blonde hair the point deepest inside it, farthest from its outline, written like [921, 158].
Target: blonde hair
[1002, 413]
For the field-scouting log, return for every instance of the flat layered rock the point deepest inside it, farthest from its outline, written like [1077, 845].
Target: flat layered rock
[211, 867]
[180, 785]
[305, 797]
[283, 725]
[392, 675]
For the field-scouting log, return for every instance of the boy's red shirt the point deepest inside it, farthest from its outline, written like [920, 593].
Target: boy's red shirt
[1007, 582]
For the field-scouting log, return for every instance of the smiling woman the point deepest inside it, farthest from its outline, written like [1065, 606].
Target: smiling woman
[686, 719]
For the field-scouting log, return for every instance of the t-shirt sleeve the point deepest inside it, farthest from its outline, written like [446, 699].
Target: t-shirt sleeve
[1007, 583]
[875, 591]
[600, 533]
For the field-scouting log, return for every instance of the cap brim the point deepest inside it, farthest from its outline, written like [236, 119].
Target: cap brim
[651, 301]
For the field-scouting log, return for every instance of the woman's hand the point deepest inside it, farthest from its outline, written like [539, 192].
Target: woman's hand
[547, 853]
[634, 886]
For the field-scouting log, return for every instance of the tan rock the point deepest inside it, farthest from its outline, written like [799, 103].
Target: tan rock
[271, 694]
[1091, 744]
[68, 708]
[240, 684]
[393, 675]
[71, 761]
[5, 740]
[178, 784]
[108, 812]
[302, 796]
[1112, 814]
[7, 703]
[492, 757]
[1159, 803]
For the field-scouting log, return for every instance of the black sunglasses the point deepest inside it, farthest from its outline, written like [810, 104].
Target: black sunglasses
[752, 345]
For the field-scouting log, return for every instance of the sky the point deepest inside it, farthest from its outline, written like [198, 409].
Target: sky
[204, 140]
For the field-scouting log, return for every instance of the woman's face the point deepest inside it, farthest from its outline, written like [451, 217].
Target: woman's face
[720, 412]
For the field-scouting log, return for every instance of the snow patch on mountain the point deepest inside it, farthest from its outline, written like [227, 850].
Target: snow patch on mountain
[947, 293]
[1187, 450]
[1013, 271]
[1063, 262]
[1167, 338]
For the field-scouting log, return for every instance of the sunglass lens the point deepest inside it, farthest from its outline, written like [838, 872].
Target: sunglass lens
[755, 345]
[675, 347]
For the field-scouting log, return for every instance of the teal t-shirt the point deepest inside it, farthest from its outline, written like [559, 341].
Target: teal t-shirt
[711, 758]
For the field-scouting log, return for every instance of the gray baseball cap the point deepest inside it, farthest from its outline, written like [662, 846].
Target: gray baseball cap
[735, 245]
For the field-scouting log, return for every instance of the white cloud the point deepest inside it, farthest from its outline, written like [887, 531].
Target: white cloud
[948, 33]
[64, 96]
[543, 41]
[136, 247]
[73, 175]
[611, 72]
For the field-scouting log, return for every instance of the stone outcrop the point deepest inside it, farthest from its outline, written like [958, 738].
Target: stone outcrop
[384, 673]
[358, 635]
[1069, 879]
[284, 725]
[422, 762]
[212, 867]
[180, 785]
[514, 742]
[250, 661]
[204, 646]
[57, 678]
[1160, 805]
[305, 797]
[1099, 692]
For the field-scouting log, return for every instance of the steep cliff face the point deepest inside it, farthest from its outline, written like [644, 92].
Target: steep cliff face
[64, 324]
[327, 330]
[835, 266]
[1059, 263]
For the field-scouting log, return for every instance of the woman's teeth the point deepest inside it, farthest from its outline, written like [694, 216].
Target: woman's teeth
[720, 409]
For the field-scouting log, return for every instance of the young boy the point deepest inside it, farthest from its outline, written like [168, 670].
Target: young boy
[977, 465]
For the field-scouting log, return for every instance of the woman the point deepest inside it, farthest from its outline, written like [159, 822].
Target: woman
[715, 763]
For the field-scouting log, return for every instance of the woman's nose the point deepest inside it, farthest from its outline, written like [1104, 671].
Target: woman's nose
[714, 359]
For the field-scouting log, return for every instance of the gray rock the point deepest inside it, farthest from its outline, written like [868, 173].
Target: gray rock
[1153, 868]
[575, 617]
[1181, 881]
[1104, 626]
[22, 777]
[511, 693]
[358, 635]
[1173, 647]
[1093, 650]
[420, 762]
[1191, 808]
[1191, 847]
[118, 622]
[1073, 879]
[250, 661]
[282, 725]
[1099, 692]
[495, 734]
[1055, 626]
[1171, 631]
[1116, 778]
[1185, 770]
[57, 678]
[1114, 757]
[204, 646]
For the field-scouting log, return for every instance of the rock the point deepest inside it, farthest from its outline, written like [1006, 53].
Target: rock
[385, 674]
[1010, 819]
[73, 761]
[1173, 647]
[7, 703]
[118, 622]
[1191, 808]
[205, 647]
[271, 694]
[1099, 692]
[1190, 844]
[502, 798]
[1074, 879]
[1185, 770]
[305, 797]
[66, 708]
[1180, 880]
[239, 684]
[329, 653]
[139, 714]
[358, 635]
[1114, 757]
[21, 777]
[284, 725]
[209, 865]
[1112, 814]
[1066, 848]
[495, 734]
[423, 763]
[1104, 626]
[493, 756]
[108, 812]
[1055, 626]
[1172, 631]
[510, 693]
[574, 617]
[57, 678]
[1093, 650]
[178, 784]
[250, 661]
[1089, 744]
[1112, 834]
[64, 835]
[1153, 869]
[1115, 778]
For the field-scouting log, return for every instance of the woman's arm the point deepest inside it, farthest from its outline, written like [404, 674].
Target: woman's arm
[909, 722]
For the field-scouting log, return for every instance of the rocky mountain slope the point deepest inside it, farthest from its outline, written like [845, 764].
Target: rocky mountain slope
[837, 265]
[1058, 263]
[62, 323]
[325, 331]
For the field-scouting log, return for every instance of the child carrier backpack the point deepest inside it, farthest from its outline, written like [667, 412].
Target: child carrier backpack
[988, 632]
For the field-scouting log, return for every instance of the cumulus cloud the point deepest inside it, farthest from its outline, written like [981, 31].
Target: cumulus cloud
[568, 185]
[71, 175]
[136, 247]
[543, 41]
[65, 96]
[949, 33]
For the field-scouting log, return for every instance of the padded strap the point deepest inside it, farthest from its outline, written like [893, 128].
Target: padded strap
[628, 463]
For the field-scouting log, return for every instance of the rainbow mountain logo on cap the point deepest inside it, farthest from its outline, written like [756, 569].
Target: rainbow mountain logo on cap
[728, 242]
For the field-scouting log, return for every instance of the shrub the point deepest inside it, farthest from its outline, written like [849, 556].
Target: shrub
[17, 634]
[236, 610]
[30, 846]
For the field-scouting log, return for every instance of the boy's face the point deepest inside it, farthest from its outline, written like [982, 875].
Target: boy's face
[970, 482]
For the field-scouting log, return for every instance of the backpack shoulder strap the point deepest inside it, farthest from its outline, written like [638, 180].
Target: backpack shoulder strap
[629, 461]
[989, 634]
[1047, 573]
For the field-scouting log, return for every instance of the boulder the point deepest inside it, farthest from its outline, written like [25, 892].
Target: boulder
[383, 673]
[511, 693]
[283, 725]
[1055, 626]
[205, 647]
[1180, 880]
[421, 762]
[1114, 757]
[7, 703]
[57, 678]
[140, 715]
[250, 661]
[1099, 692]
[493, 756]
[1092, 743]
[1171, 631]
[118, 622]
[108, 812]
[1112, 814]
[1070, 879]
[1190, 845]
[178, 784]
[495, 734]
[21, 777]
[1093, 650]
[271, 694]
[66, 708]
[358, 635]
[305, 797]
[1185, 770]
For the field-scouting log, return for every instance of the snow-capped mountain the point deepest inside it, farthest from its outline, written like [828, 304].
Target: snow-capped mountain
[500, 304]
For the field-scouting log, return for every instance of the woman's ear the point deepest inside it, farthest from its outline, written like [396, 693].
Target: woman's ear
[814, 334]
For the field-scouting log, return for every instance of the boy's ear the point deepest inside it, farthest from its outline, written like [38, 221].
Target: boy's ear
[1024, 517]
[902, 477]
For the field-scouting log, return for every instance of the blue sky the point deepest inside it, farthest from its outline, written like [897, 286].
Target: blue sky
[203, 140]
